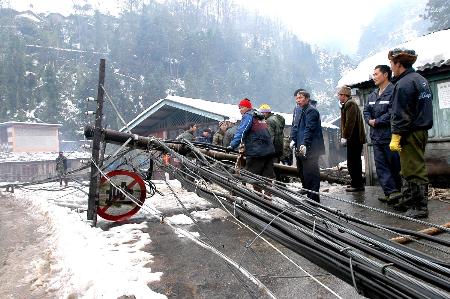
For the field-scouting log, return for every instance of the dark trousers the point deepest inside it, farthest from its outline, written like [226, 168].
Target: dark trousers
[412, 157]
[310, 175]
[354, 164]
[261, 166]
[300, 170]
[387, 164]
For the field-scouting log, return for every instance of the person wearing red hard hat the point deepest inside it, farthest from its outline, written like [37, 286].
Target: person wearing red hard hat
[254, 136]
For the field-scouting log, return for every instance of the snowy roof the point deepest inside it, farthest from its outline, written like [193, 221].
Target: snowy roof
[18, 123]
[432, 51]
[214, 110]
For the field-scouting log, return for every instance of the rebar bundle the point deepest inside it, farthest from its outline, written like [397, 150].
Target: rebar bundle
[339, 243]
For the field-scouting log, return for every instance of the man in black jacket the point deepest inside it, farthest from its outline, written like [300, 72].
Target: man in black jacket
[377, 114]
[412, 117]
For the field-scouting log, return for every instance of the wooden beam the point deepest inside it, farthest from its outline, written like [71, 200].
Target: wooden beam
[428, 231]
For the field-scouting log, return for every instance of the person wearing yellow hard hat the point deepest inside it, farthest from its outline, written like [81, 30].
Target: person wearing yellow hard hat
[275, 123]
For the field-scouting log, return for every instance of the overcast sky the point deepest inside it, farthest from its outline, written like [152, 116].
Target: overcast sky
[331, 24]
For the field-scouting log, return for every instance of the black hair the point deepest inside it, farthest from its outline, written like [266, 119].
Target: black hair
[190, 125]
[406, 65]
[303, 92]
[385, 69]
[298, 90]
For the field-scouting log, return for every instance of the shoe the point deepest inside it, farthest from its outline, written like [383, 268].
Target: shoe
[355, 189]
[400, 207]
[394, 197]
[383, 198]
[417, 213]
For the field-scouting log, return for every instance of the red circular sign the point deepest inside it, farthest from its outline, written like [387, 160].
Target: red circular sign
[112, 201]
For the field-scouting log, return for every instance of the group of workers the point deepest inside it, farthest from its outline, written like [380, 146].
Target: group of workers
[398, 112]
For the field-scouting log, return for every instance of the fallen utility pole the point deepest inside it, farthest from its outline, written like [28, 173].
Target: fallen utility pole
[97, 135]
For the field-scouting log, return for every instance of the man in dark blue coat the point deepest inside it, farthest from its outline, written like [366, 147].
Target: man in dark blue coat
[412, 117]
[254, 134]
[377, 114]
[308, 140]
[295, 119]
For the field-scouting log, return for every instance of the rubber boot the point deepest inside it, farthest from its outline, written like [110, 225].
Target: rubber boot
[405, 202]
[420, 207]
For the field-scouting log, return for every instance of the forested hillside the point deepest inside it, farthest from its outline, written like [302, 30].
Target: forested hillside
[210, 50]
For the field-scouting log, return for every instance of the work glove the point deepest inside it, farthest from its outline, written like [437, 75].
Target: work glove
[292, 144]
[395, 143]
[302, 150]
[343, 141]
[229, 149]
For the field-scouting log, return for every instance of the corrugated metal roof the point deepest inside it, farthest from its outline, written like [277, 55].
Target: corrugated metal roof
[437, 64]
[214, 110]
[432, 49]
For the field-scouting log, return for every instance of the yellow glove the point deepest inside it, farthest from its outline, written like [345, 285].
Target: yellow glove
[395, 143]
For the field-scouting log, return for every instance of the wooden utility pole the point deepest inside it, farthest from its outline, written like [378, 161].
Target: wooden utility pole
[95, 178]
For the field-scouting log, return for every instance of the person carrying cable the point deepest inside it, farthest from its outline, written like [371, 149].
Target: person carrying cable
[254, 136]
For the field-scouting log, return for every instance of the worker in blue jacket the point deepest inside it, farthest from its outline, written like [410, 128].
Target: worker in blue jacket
[377, 114]
[254, 134]
[412, 117]
[307, 138]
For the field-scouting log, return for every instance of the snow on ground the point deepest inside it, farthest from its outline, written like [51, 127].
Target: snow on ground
[343, 165]
[91, 262]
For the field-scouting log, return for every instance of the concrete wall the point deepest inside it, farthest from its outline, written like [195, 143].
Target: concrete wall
[35, 139]
[29, 138]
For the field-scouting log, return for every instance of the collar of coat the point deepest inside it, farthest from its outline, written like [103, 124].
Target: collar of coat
[408, 71]
[350, 100]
